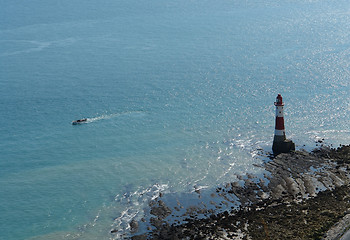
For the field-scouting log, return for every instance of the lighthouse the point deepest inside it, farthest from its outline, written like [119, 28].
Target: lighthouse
[280, 143]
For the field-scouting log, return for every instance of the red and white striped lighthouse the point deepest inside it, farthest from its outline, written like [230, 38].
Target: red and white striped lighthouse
[280, 143]
[280, 133]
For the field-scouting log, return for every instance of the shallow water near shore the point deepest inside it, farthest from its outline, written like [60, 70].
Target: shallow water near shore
[178, 95]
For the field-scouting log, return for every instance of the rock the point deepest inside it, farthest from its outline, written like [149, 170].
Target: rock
[140, 237]
[134, 226]
[304, 194]
[160, 210]
[283, 147]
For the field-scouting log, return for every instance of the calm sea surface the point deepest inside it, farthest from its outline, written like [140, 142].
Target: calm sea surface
[178, 94]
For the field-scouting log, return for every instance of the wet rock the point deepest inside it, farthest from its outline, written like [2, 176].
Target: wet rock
[159, 209]
[306, 193]
[140, 237]
[134, 225]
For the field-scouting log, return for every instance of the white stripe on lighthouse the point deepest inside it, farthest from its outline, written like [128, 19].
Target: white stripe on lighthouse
[280, 132]
[279, 111]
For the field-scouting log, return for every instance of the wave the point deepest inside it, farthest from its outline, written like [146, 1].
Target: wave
[135, 203]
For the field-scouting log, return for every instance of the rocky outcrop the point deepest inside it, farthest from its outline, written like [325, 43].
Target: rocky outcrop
[285, 146]
[301, 195]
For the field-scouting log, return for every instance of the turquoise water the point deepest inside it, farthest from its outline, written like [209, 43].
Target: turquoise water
[177, 94]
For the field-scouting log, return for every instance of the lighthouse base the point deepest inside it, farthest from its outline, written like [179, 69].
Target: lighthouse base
[285, 146]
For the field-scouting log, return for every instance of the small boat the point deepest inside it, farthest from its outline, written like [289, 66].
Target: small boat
[79, 121]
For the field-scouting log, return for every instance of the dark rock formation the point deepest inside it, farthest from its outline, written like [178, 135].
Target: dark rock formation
[285, 146]
[302, 195]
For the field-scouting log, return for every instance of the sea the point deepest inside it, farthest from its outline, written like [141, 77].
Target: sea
[178, 95]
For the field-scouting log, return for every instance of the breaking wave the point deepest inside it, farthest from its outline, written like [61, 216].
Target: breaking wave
[136, 202]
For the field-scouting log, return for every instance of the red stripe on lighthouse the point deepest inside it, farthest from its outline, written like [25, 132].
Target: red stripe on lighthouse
[279, 123]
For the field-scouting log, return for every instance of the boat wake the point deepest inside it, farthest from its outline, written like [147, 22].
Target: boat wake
[110, 116]
[102, 117]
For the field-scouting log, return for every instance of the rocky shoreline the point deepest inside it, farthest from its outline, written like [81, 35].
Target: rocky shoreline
[301, 196]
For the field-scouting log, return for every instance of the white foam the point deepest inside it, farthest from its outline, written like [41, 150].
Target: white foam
[135, 203]
[110, 116]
